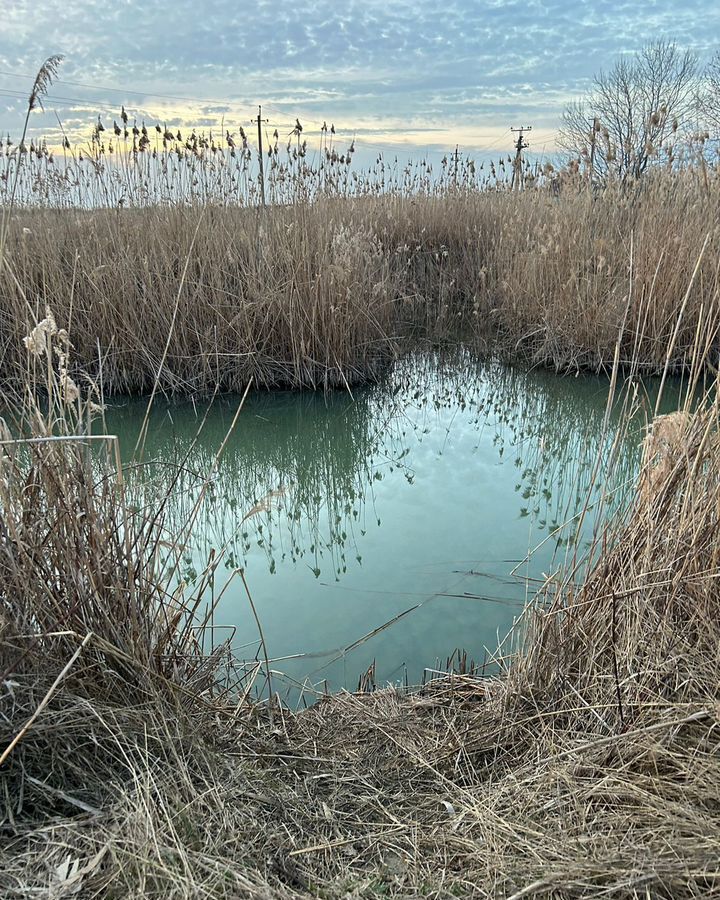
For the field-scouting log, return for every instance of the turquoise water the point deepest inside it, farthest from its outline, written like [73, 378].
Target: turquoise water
[387, 528]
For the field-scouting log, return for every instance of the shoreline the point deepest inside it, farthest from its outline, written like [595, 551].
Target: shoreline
[134, 762]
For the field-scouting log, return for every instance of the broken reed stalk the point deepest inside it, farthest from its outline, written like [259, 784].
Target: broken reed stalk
[44, 702]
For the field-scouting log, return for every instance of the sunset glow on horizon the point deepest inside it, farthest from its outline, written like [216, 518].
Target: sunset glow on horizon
[406, 79]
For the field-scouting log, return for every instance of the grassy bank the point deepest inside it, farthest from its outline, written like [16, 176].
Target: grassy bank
[135, 765]
[133, 761]
[325, 293]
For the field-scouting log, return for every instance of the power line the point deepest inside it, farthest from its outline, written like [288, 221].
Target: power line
[145, 93]
[102, 87]
[141, 93]
[498, 140]
[54, 100]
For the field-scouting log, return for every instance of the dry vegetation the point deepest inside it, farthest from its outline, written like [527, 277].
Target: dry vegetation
[324, 288]
[133, 765]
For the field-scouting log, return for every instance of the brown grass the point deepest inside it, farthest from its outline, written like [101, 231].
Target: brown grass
[326, 293]
[134, 765]
[663, 443]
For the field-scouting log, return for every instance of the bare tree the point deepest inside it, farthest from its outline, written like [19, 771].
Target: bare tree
[633, 111]
[710, 97]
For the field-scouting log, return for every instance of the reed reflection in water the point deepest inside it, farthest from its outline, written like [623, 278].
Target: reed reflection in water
[413, 502]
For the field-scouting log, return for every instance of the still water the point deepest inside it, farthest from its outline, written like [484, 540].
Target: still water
[390, 528]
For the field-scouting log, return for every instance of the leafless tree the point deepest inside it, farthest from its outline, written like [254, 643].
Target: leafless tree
[710, 97]
[633, 111]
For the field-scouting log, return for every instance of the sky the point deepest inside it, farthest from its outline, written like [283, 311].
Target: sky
[417, 77]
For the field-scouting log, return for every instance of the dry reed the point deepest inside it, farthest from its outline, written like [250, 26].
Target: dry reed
[135, 766]
[325, 287]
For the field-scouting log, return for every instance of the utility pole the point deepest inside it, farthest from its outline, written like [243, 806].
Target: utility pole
[260, 120]
[520, 145]
[593, 136]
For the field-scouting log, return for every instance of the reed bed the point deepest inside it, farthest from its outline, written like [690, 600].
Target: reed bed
[134, 763]
[323, 288]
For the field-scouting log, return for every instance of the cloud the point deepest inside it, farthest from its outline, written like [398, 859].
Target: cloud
[466, 68]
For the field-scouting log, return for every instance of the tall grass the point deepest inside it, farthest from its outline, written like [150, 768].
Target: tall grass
[133, 763]
[109, 668]
[131, 760]
[139, 166]
[325, 293]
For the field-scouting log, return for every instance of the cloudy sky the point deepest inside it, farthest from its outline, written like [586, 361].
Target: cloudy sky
[422, 76]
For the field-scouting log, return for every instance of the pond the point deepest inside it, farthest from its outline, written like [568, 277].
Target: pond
[395, 528]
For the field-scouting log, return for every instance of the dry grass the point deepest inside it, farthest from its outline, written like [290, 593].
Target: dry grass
[663, 443]
[326, 293]
[135, 767]
[132, 762]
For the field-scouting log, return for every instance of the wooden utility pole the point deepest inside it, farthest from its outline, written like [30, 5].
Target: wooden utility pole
[260, 120]
[593, 136]
[520, 145]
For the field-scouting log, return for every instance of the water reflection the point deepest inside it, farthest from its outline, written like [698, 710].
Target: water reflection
[413, 502]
